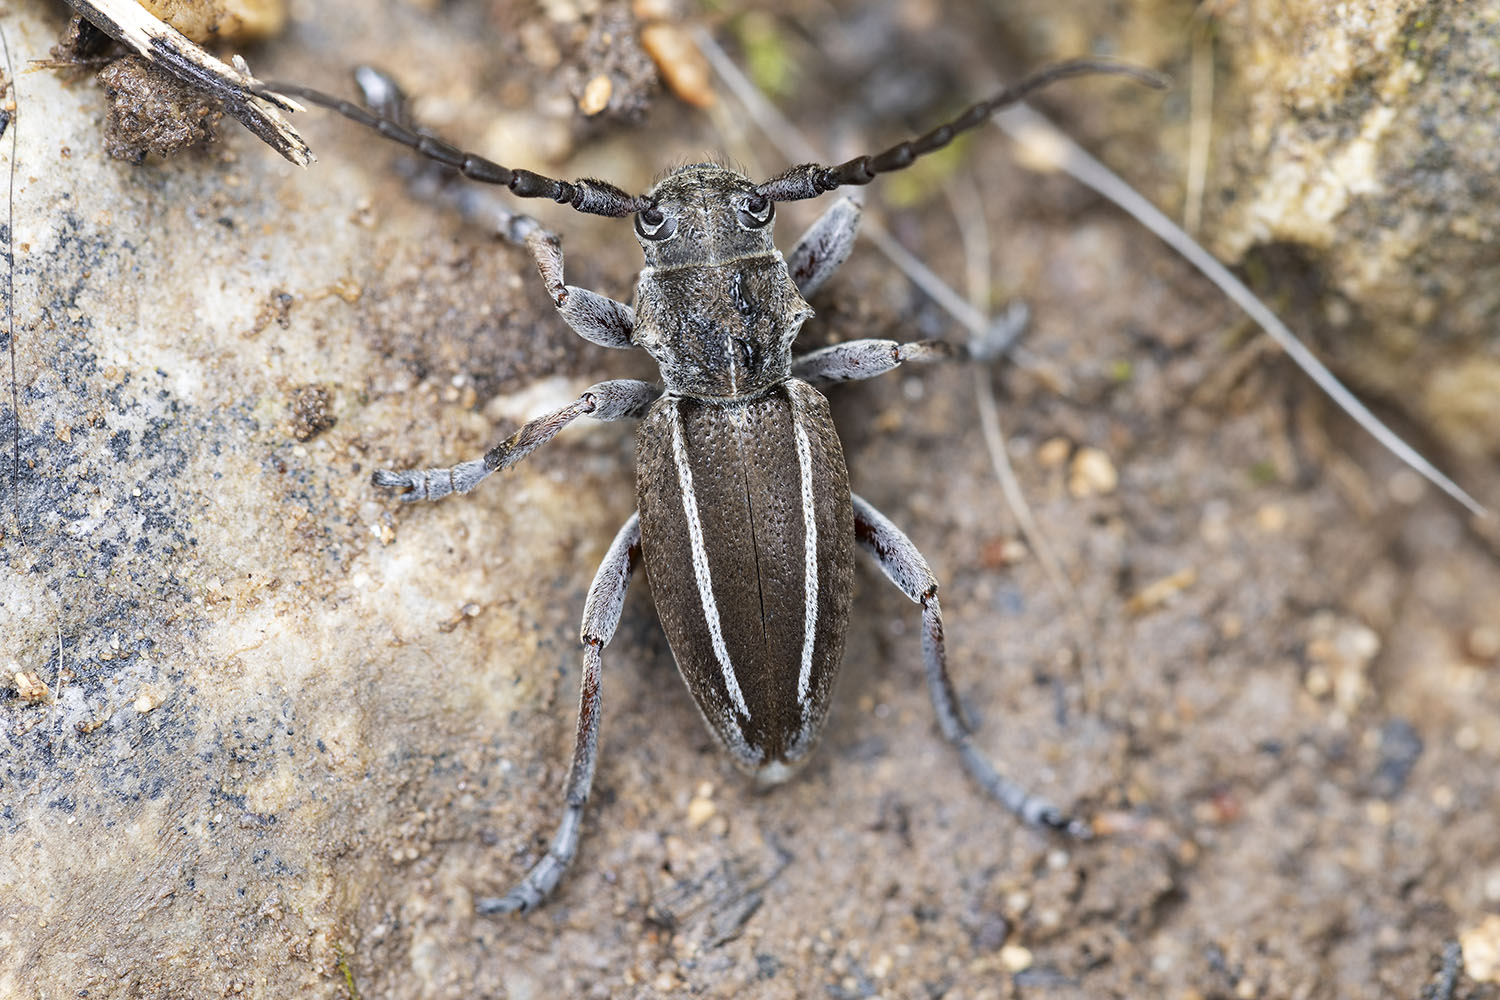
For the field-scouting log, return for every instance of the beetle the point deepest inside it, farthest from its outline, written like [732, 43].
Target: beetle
[745, 523]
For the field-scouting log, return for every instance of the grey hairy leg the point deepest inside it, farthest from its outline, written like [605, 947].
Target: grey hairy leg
[855, 360]
[594, 317]
[824, 246]
[618, 399]
[904, 566]
[601, 614]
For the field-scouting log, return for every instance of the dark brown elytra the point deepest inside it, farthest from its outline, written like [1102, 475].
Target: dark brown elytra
[745, 522]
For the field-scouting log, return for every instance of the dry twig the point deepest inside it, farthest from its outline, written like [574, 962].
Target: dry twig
[243, 96]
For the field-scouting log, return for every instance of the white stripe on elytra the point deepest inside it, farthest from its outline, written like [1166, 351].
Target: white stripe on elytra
[700, 564]
[810, 548]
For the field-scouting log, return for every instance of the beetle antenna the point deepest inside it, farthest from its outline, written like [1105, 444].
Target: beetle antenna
[809, 180]
[586, 195]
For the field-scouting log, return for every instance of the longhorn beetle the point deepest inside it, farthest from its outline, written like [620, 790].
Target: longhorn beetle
[745, 522]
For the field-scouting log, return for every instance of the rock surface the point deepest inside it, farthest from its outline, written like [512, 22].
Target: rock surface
[1372, 144]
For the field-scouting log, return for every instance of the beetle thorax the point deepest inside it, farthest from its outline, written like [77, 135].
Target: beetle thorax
[714, 304]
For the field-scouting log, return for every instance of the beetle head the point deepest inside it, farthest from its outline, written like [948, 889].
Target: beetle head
[702, 215]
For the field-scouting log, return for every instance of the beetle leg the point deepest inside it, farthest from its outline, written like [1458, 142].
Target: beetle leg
[824, 246]
[601, 614]
[905, 567]
[618, 399]
[594, 317]
[856, 360]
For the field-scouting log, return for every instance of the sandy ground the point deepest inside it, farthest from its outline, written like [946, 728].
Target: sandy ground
[269, 733]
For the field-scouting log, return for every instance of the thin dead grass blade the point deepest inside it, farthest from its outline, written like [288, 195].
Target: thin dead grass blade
[10, 267]
[1045, 146]
[975, 237]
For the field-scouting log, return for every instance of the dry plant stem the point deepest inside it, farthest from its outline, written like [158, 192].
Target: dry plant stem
[10, 278]
[243, 96]
[1047, 146]
[975, 236]
[1201, 101]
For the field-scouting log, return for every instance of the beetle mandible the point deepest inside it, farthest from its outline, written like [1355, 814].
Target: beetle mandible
[745, 522]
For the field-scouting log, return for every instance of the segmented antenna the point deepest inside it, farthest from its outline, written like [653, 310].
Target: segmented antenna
[586, 195]
[809, 180]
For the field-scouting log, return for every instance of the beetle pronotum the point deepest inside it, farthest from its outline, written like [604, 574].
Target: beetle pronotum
[752, 572]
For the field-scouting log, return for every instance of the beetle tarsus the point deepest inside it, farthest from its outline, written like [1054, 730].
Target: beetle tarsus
[1052, 818]
[432, 484]
[403, 481]
[1001, 335]
[530, 892]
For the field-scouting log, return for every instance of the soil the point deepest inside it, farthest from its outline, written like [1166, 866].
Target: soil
[267, 732]
[151, 111]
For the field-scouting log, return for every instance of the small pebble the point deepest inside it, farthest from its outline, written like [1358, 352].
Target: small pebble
[29, 686]
[1492, 885]
[1271, 519]
[538, 46]
[1484, 642]
[1406, 487]
[1481, 948]
[700, 811]
[596, 95]
[1015, 958]
[562, 11]
[1053, 452]
[1092, 473]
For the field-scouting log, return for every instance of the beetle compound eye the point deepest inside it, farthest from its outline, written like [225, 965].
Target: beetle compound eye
[754, 211]
[652, 224]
